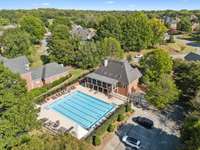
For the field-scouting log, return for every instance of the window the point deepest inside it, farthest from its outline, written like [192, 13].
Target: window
[104, 84]
[94, 81]
[99, 83]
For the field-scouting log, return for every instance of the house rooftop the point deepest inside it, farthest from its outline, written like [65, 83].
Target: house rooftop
[120, 71]
[47, 71]
[17, 65]
[192, 57]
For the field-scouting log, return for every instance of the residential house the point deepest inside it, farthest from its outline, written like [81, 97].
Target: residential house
[171, 22]
[192, 57]
[82, 33]
[36, 77]
[114, 77]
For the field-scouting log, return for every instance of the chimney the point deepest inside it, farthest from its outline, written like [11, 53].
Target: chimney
[27, 67]
[105, 62]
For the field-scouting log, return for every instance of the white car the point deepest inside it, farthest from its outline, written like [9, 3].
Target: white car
[132, 142]
[138, 56]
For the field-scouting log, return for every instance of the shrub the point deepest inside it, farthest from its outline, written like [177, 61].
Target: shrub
[104, 127]
[111, 127]
[128, 107]
[120, 117]
[96, 140]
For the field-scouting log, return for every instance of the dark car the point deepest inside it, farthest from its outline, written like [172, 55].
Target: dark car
[144, 122]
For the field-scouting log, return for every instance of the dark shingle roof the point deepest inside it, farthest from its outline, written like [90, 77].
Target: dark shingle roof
[192, 57]
[17, 65]
[37, 73]
[119, 70]
[52, 69]
[47, 71]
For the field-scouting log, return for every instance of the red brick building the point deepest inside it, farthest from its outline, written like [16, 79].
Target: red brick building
[114, 77]
[36, 77]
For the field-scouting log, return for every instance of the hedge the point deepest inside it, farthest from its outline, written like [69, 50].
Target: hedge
[104, 127]
[96, 140]
[38, 91]
[111, 127]
[128, 107]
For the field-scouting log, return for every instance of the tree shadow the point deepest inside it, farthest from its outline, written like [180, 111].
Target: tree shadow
[45, 59]
[194, 44]
[151, 139]
[176, 113]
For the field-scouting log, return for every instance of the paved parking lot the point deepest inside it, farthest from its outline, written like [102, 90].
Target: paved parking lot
[164, 136]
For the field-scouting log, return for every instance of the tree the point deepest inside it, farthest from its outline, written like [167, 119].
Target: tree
[88, 55]
[136, 32]
[109, 27]
[155, 64]
[163, 92]
[111, 47]
[16, 43]
[34, 26]
[190, 133]
[4, 21]
[185, 25]
[17, 115]
[158, 29]
[187, 78]
[60, 45]
[11, 83]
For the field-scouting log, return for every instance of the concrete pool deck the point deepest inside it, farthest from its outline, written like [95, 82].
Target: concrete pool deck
[78, 131]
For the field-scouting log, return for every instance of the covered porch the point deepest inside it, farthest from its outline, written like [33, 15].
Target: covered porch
[100, 83]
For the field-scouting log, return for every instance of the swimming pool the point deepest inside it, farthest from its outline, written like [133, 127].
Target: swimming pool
[82, 108]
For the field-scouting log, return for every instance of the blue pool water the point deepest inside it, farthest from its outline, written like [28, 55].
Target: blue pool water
[82, 108]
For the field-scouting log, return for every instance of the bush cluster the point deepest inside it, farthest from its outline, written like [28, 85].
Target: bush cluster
[107, 125]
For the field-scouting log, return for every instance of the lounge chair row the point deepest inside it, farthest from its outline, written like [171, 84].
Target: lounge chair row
[65, 91]
[54, 126]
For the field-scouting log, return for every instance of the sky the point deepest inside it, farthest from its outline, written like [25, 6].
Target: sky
[102, 4]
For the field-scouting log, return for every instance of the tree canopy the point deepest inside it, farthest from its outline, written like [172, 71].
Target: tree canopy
[136, 32]
[155, 64]
[163, 92]
[185, 24]
[16, 42]
[34, 26]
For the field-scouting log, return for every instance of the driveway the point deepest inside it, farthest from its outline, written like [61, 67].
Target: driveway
[164, 136]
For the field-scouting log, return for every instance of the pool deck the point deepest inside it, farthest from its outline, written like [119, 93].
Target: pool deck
[77, 131]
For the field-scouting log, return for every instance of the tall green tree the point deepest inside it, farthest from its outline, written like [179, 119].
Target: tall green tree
[34, 26]
[15, 43]
[4, 21]
[190, 133]
[111, 47]
[109, 27]
[187, 77]
[88, 55]
[163, 92]
[185, 25]
[60, 45]
[136, 32]
[11, 83]
[155, 64]
[159, 30]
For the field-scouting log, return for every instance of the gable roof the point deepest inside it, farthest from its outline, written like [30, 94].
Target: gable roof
[119, 70]
[192, 57]
[47, 71]
[37, 73]
[17, 65]
[52, 69]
